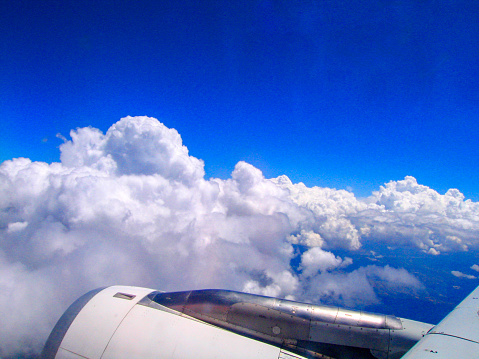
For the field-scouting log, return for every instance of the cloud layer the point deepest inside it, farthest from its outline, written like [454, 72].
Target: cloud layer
[133, 207]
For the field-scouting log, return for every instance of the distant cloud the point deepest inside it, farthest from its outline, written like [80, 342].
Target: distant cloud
[401, 213]
[316, 260]
[475, 267]
[458, 274]
[433, 251]
[16, 226]
[357, 287]
[131, 206]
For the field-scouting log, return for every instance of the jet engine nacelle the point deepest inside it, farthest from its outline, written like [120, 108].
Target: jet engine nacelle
[132, 322]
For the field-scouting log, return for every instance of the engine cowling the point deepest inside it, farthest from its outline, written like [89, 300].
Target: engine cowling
[121, 322]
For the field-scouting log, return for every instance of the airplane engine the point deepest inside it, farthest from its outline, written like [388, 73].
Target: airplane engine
[133, 322]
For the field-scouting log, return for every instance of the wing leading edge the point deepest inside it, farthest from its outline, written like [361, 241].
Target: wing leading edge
[456, 336]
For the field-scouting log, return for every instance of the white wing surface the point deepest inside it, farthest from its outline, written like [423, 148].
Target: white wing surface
[456, 336]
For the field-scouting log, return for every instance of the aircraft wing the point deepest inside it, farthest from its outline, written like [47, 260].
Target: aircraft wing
[456, 336]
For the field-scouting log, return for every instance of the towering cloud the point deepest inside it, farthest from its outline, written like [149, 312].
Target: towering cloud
[133, 207]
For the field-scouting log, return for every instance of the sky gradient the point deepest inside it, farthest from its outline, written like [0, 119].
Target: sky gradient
[324, 151]
[344, 94]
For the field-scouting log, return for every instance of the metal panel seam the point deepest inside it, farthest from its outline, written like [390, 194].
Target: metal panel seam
[74, 353]
[454, 336]
[63, 324]
[109, 340]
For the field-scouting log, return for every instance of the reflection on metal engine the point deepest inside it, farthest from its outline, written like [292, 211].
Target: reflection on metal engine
[312, 330]
[131, 322]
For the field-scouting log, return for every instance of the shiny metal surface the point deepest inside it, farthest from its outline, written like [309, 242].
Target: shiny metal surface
[322, 330]
[126, 322]
[373, 339]
[217, 303]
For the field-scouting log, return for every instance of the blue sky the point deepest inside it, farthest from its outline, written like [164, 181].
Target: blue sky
[345, 94]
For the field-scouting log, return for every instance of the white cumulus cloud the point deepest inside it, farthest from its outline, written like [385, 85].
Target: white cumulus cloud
[357, 287]
[317, 260]
[458, 274]
[132, 206]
